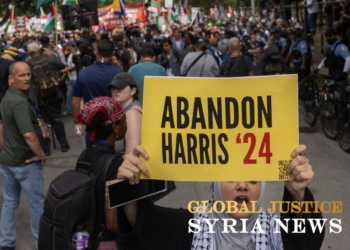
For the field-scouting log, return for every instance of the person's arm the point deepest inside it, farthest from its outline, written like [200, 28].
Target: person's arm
[34, 144]
[133, 133]
[75, 109]
[283, 50]
[289, 55]
[76, 101]
[111, 218]
[55, 62]
[322, 63]
[303, 61]
[296, 189]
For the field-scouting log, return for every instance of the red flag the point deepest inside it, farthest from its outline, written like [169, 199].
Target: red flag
[230, 10]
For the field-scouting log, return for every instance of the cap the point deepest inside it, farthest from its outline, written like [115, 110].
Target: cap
[122, 80]
[12, 51]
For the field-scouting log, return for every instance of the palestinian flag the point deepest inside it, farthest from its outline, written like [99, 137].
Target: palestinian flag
[7, 21]
[174, 13]
[41, 2]
[66, 2]
[51, 20]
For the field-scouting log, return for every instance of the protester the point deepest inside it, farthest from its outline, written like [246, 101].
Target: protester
[271, 63]
[142, 224]
[7, 58]
[236, 65]
[92, 81]
[49, 108]
[124, 90]
[105, 124]
[146, 67]
[21, 158]
[72, 75]
[199, 64]
[171, 60]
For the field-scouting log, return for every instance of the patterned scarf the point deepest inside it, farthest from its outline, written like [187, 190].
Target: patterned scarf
[111, 109]
[218, 241]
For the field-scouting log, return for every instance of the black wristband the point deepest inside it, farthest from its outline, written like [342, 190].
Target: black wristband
[75, 122]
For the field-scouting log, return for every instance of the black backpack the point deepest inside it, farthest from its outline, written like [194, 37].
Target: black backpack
[71, 201]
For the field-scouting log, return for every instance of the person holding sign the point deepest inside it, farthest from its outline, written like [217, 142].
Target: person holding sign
[143, 225]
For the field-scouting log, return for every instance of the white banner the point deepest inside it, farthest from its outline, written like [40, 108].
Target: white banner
[168, 3]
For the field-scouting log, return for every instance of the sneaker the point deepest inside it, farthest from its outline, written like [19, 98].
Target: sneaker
[65, 148]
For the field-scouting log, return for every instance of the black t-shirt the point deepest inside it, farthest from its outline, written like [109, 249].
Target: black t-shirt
[100, 189]
[159, 228]
[156, 228]
[244, 65]
[4, 75]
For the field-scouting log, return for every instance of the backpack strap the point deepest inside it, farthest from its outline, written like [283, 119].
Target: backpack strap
[193, 63]
[86, 167]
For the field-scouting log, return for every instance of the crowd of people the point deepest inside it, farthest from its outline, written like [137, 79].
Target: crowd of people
[49, 76]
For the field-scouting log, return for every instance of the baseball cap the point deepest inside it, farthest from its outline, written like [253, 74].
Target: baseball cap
[122, 80]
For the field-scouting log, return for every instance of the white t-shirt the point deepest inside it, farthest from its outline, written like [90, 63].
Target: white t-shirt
[73, 73]
[314, 6]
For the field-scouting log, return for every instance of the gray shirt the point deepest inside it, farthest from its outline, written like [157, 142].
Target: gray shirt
[205, 65]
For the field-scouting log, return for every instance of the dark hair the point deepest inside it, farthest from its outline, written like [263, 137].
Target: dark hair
[168, 41]
[102, 131]
[148, 37]
[208, 33]
[136, 95]
[216, 33]
[104, 36]
[105, 48]
[148, 52]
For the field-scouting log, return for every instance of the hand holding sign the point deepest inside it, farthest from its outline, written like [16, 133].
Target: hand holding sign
[301, 174]
[133, 166]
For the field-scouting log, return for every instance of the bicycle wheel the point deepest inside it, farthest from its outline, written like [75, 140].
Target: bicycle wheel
[329, 119]
[344, 136]
[310, 112]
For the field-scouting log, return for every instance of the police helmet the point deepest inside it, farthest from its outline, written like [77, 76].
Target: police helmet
[274, 29]
[338, 30]
[296, 31]
[329, 32]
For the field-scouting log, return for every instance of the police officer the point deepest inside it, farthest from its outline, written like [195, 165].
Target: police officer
[337, 55]
[278, 40]
[300, 54]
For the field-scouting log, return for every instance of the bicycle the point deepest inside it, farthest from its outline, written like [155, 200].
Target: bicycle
[318, 100]
[342, 95]
[311, 96]
[329, 119]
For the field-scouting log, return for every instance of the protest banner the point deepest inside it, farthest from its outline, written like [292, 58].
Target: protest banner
[226, 129]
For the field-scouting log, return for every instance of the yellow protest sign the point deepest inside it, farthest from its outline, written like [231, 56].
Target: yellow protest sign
[220, 129]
